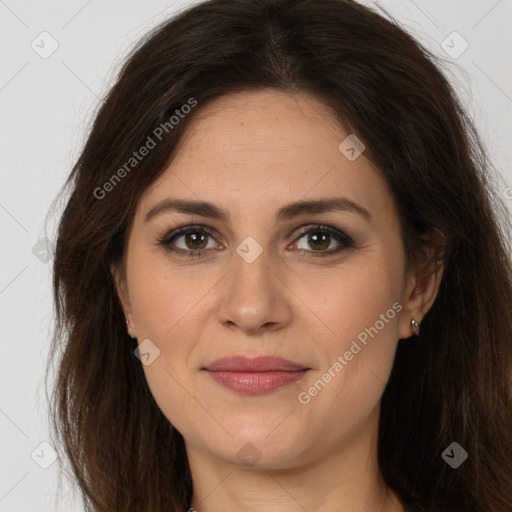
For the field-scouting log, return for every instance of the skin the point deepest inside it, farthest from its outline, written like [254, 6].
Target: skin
[251, 153]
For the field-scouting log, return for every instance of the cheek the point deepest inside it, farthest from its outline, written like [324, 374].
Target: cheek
[353, 297]
[170, 308]
[164, 300]
[166, 309]
[359, 310]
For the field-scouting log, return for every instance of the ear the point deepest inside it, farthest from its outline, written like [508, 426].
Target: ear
[423, 283]
[119, 275]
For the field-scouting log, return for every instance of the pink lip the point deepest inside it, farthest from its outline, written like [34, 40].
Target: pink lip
[255, 375]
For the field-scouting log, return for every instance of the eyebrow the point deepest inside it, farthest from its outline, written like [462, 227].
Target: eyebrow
[287, 212]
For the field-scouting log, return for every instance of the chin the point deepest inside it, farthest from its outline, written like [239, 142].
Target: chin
[261, 448]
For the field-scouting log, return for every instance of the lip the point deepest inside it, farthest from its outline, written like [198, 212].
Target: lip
[254, 364]
[257, 375]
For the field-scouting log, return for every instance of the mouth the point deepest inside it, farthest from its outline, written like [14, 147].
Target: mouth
[256, 375]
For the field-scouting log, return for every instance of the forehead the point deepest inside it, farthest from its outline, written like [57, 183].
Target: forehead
[248, 150]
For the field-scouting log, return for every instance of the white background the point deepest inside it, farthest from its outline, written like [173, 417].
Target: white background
[46, 106]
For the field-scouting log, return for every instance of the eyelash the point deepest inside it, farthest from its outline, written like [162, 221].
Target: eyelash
[345, 241]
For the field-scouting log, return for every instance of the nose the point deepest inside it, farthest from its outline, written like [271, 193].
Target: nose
[255, 297]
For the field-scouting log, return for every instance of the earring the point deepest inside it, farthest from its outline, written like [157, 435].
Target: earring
[128, 329]
[415, 327]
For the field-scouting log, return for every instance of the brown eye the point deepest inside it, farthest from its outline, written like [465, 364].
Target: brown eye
[194, 243]
[193, 239]
[320, 238]
[318, 241]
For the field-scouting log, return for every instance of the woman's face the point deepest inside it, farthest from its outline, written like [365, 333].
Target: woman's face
[333, 302]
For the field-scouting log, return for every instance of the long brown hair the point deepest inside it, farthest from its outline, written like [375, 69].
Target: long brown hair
[452, 383]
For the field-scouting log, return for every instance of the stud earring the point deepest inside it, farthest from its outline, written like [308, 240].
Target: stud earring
[128, 329]
[415, 327]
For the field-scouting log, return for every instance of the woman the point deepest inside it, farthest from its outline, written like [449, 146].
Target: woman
[282, 279]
